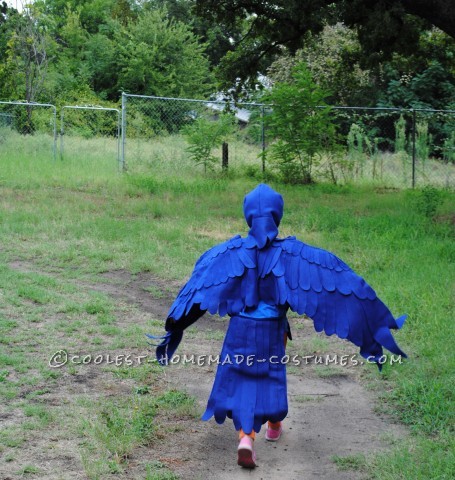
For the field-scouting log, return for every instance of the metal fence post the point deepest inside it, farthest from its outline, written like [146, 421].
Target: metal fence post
[55, 133]
[263, 136]
[413, 148]
[122, 154]
[62, 132]
[119, 129]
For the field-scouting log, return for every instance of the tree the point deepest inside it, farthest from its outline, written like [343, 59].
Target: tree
[3, 12]
[384, 27]
[8, 20]
[28, 60]
[434, 87]
[162, 57]
[217, 38]
[423, 79]
[70, 72]
[28, 51]
[333, 58]
[301, 125]
[101, 59]
[92, 13]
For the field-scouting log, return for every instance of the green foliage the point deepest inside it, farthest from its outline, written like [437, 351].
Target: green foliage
[29, 470]
[358, 142]
[99, 46]
[40, 414]
[333, 57]
[28, 54]
[429, 199]
[3, 11]
[177, 401]
[383, 28]
[432, 87]
[23, 121]
[401, 141]
[362, 147]
[158, 471]
[301, 125]
[400, 135]
[204, 135]
[423, 142]
[161, 57]
[449, 148]
[351, 462]
[419, 458]
[425, 80]
[162, 47]
[97, 305]
[160, 118]
[8, 20]
[90, 123]
[115, 429]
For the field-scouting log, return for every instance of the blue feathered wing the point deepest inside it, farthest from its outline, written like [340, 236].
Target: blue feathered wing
[312, 281]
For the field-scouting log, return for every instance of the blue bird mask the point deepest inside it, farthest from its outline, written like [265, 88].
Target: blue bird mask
[263, 210]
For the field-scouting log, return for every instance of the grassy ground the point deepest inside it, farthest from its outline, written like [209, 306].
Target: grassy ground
[77, 218]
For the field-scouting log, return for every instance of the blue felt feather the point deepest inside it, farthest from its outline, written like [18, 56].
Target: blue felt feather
[309, 280]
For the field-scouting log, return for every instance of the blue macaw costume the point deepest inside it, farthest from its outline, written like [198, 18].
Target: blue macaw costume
[255, 280]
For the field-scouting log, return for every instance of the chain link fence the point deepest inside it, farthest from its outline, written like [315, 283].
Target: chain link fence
[28, 129]
[89, 135]
[396, 147]
[90, 132]
[393, 147]
[181, 133]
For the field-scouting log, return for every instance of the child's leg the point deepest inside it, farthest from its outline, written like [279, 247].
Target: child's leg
[242, 434]
[274, 425]
[274, 429]
[245, 450]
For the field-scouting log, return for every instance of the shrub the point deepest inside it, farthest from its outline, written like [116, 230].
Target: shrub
[301, 125]
[203, 135]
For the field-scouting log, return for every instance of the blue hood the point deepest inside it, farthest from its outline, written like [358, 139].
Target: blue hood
[263, 210]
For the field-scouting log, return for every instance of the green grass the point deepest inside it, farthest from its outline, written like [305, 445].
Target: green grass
[39, 413]
[307, 398]
[179, 402]
[158, 471]
[29, 470]
[115, 428]
[417, 458]
[76, 218]
[351, 462]
[119, 426]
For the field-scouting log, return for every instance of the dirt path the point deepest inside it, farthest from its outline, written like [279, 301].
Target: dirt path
[330, 413]
[327, 417]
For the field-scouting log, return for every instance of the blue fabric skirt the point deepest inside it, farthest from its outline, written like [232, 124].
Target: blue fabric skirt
[250, 383]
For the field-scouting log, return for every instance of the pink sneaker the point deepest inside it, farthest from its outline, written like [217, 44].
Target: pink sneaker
[246, 453]
[273, 435]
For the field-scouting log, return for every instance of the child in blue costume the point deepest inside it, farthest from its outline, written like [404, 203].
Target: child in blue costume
[255, 280]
